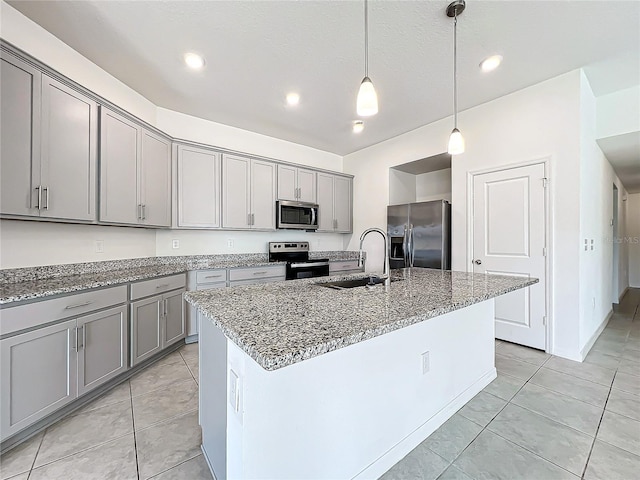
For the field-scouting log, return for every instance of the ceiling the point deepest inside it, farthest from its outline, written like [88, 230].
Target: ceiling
[256, 52]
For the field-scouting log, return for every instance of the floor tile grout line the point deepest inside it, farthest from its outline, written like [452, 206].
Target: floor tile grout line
[167, 420]
[135, 441]
[500, 411]
[164, 387]
[595, 437]
[174, 466]
[33, 462]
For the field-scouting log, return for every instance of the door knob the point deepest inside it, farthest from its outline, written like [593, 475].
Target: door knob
[478, 262]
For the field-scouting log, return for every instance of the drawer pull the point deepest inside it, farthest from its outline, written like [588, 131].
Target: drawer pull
[163, 285]
[263, 272]
[213, 276]
[69, 307]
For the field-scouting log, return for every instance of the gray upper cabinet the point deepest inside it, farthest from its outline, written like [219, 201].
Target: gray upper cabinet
[248, 193]
[20, 88]
[103, 345]
[335, 203]
[119, 147]
[68, 150]
[135, 173]
[38, 375]
[49, 141]
[198, 192]
[296, 184]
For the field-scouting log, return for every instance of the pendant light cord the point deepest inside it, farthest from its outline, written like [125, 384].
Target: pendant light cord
[455, 69]
[366, 39]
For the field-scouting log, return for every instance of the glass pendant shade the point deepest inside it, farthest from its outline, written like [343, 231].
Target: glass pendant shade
[456, 142]
[367, 103]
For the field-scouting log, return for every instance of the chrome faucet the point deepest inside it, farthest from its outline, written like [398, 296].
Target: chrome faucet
[385, 272]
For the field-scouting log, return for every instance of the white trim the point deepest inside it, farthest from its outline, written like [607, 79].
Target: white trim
[587, 346]
[549, 217]
[624, 292]
[415, 438]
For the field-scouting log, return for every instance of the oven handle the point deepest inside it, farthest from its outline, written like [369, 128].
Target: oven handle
[309, 264]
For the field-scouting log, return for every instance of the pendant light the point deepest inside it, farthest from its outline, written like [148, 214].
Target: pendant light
[456, 141]
[367, 103]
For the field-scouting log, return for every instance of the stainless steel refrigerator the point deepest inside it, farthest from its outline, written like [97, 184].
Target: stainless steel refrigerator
[420, 235]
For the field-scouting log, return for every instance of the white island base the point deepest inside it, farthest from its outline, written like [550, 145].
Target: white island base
[350, 413]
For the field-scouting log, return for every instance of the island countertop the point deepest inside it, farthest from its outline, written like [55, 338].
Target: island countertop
[283, 323]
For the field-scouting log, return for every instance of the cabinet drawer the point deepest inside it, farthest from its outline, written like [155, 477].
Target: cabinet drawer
[255, 281]
[341, 266]
[14, 319]
[211, 276]
[253, 273]
[157, 285]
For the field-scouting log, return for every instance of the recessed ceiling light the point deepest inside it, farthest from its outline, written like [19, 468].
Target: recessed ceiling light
[491, 63]
[193, 60]
[358, 126]
[293, 99]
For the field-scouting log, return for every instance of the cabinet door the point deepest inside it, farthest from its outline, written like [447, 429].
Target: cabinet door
[325, 203]
[119, 152]
[175, 324]
[198, 188]
[19, 137]
[263, 194]
[287, 185]
[155, 184]
[38, 375]
[102, 347]
[236, 173]
[306, 185]
[69, 139]
[146, 328]
[342, 204]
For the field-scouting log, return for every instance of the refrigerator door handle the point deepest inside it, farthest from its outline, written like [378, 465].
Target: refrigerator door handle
[411, 255]
[405, 247]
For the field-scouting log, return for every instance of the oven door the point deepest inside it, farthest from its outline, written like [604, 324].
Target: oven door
[297, 270]
[296, 215]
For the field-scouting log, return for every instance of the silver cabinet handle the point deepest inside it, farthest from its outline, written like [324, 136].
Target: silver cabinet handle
[249, 219]
[144, 212]
[162, 285]
[165, 306]
[77, 305]
[263, 272]
[478, 262]
[139, 212]
[253, 219]
[213, 276]
[46, 198]
[39, 189]
[80, 337]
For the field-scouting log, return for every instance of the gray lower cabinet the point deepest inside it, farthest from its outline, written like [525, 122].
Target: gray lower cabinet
[38, 375]
[48, 146]
[103, 345]
[175, 325]
[146, 328]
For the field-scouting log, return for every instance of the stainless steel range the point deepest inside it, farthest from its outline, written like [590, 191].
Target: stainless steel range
[296, 254]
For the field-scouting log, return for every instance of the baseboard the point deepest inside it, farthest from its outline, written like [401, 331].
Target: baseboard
[587, 347]
[191, 339]
[568, 354]
[206, 458]
[411, 441]
[624, 292]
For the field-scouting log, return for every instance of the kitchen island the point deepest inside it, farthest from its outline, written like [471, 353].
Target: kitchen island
[302, 381]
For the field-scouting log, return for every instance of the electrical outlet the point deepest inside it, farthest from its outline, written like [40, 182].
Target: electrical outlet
[99, 246]
[425, 363]
[229, 242]
[175, 243]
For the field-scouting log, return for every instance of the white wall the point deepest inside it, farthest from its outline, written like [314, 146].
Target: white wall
[616, 114]
[433, 185]
[402, 187]
[632, 238]
[29, 243]
[125, 242]
[538, 122]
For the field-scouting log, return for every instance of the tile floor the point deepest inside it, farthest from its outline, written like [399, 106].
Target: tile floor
[543, 418]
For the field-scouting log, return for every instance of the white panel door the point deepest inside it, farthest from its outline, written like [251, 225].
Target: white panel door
[509, 231]
[263, 195]
[236, 173]
[155, 185]
[198, 188]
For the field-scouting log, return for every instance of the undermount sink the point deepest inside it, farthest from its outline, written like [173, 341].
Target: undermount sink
[359, 282]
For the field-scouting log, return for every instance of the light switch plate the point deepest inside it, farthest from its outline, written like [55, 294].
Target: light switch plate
[425, 363]
[234, 391]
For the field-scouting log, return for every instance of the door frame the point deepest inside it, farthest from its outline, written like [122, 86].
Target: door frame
[548, 219]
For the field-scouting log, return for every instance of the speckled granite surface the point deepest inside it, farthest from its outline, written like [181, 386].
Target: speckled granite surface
[19, 284]
[283, 323]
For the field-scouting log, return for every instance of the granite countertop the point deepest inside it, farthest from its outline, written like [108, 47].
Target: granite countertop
[284, 323]
[21, 284]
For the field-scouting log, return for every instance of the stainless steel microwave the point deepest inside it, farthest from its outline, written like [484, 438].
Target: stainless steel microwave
[296, 215]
